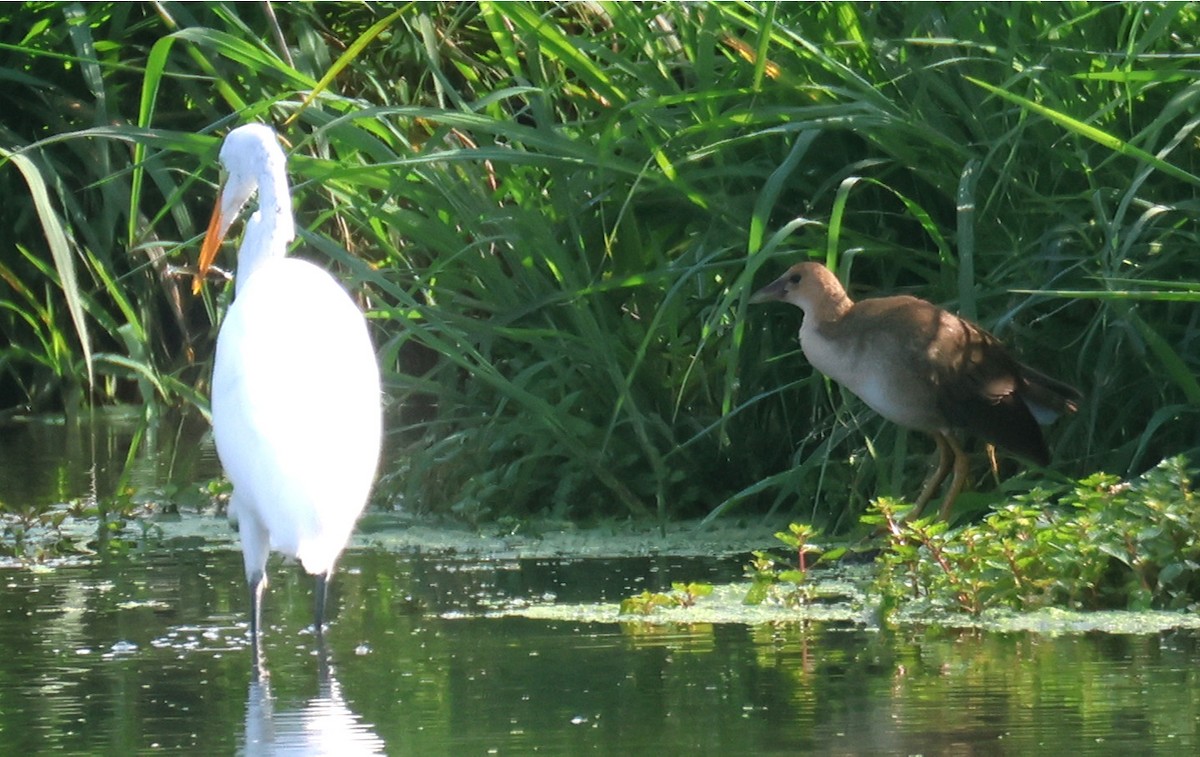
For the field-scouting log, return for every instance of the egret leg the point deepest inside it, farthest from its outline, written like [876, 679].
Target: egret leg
[324, 675]
[258, 583]
[322, 593]
[945, 459]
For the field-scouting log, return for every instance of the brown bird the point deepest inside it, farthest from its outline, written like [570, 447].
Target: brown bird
[924, 368]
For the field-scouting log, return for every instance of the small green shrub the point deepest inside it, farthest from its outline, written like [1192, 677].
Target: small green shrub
[1106, 544]
[681, 595]
[776, 580]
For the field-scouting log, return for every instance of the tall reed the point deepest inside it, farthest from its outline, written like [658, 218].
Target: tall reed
[554, 214]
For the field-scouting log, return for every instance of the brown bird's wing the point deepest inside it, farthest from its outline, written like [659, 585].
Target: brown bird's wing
[881, 351]
[983, 391]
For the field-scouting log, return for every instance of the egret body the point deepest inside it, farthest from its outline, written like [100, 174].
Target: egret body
[295, 391]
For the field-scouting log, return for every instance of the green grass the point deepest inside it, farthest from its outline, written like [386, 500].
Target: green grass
[554, 215]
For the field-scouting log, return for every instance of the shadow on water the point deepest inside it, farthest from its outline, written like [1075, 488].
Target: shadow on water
[146, 650]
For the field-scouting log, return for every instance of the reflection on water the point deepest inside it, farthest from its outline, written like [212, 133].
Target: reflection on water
[321, 725]
[150, 652]
[51, 460]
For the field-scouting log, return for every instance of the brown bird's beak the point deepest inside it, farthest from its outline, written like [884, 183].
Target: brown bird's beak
[212, 243]
[772, 292]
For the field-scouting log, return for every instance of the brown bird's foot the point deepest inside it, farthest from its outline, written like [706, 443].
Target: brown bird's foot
[935, 479]
[950, 457]
[993, 462]
[962, 470]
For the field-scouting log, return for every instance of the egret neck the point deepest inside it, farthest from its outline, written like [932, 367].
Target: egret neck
[269, 229]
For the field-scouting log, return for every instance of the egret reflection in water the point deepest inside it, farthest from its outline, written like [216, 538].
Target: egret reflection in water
[324, 724]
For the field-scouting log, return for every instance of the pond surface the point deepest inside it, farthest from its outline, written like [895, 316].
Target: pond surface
[148, 652]
[436, 652]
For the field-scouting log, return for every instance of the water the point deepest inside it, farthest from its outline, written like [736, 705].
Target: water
[146, 652]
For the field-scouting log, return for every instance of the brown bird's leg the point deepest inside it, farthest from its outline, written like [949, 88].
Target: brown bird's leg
[962, 469]
[935, 479]
[991, 451]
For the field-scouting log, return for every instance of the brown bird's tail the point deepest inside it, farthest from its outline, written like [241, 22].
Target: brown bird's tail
[1047, 398]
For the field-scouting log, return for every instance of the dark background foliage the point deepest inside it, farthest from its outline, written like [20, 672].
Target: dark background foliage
[554, 214]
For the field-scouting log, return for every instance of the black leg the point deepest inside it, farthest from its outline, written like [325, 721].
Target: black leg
[324, 675]
[258, 583]
[322, 592]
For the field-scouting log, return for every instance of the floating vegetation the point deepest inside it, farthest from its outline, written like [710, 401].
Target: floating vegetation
[842, 600]
[681, 595]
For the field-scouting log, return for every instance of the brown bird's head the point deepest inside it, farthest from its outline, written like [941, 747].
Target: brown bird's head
[809, 286]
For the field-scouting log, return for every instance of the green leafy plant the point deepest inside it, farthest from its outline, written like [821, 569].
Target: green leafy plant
[766, 573]
[1104, 543]
[799, 537]
[682, 594]
[773, 578]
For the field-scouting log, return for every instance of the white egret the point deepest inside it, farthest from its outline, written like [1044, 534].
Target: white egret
[295, 393]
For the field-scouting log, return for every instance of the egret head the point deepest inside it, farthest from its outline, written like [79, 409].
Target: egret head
[253, 161]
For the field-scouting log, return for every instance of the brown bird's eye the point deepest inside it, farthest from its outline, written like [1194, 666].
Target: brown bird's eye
[794, 278]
